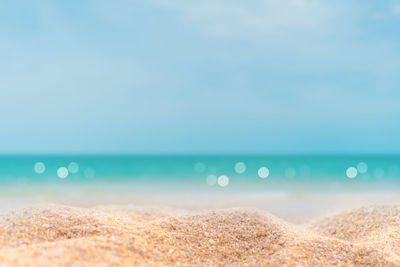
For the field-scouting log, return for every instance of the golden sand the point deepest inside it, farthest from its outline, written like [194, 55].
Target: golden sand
[55, 235]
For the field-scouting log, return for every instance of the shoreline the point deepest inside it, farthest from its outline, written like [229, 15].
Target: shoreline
[295, 206]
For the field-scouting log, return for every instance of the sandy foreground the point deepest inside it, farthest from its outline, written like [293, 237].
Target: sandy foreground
[128, 235]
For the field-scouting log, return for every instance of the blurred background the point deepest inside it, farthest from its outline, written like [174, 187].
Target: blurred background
[260, 97]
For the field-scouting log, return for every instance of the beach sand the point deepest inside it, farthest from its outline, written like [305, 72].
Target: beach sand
[127, 235]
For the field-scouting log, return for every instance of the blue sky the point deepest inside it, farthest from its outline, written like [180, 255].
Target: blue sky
[210, 76]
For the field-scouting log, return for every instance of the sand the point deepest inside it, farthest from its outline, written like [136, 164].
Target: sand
[56, 235]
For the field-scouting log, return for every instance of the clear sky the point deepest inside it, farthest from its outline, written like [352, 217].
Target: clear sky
[200, 76]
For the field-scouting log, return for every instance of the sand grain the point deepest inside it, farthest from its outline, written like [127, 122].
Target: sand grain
[136, 236]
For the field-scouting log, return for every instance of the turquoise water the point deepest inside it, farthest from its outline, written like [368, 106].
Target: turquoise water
[204, 172]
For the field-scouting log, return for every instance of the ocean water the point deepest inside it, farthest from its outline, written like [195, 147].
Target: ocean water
[204, 173]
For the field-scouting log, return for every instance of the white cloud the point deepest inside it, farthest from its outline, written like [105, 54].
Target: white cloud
[259, 18]
[396, 9]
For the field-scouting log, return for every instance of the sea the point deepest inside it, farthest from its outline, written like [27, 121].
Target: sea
[202, 173]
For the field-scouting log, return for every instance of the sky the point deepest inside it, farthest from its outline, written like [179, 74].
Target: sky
[199, 77]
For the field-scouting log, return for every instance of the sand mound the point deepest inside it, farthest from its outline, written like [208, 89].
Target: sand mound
[377, 225]
[155, 236]
[50, 223]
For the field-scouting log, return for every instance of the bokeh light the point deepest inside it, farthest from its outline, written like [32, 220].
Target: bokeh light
[240, 167]
[223, 180]
[263, 172]
[211, 180]
[73, 167]
[290, 172]
[89, 173]
[39, 167]
[351, 172]
[62, 172]
[362, 167]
